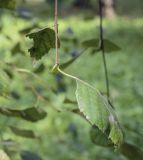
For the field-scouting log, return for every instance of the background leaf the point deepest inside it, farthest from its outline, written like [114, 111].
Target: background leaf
[8, 4]
[28, 155]
[4, 83]
[95, 43]
[23, 132]
[17, 49]
[91, 43]
[131, 151]
[40, 68]
[110, 46]
[68, 63]
[29, 114]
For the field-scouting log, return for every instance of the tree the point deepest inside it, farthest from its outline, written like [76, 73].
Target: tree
[109, 8]
[82, 3]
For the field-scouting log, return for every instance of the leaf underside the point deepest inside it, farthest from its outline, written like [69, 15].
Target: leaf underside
[98, 112]
[100, 138]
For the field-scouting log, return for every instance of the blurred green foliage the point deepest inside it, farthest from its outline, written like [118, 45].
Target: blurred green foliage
[25, 84]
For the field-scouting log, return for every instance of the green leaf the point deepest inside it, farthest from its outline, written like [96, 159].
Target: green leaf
[100, 138]
[30, 114]
[97, 111]
[8, 72]
[69, 101]
[68, 63]
[91, 43]
[28, 29]
[40, 68]
[110, 46]
[44, 40]
[8, 4]
[17, 49]
[95, 43]
[131, 151]
[28, 155]
[23, 132]
[95, 108]
[4, 83]
[3, 155]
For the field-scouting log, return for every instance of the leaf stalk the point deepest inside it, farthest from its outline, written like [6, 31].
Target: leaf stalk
[56, 32]
[102, 47]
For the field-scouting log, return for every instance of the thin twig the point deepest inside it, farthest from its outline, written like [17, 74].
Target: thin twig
[56, 30]
[103, 48]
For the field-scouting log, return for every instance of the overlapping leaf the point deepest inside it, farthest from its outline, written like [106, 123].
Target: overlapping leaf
[31, 114]
[97, 111]
[100, 138]
[44, 40]
[40, 68]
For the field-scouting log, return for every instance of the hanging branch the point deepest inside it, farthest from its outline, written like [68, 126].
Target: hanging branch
[56, 31]
[102, 47]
